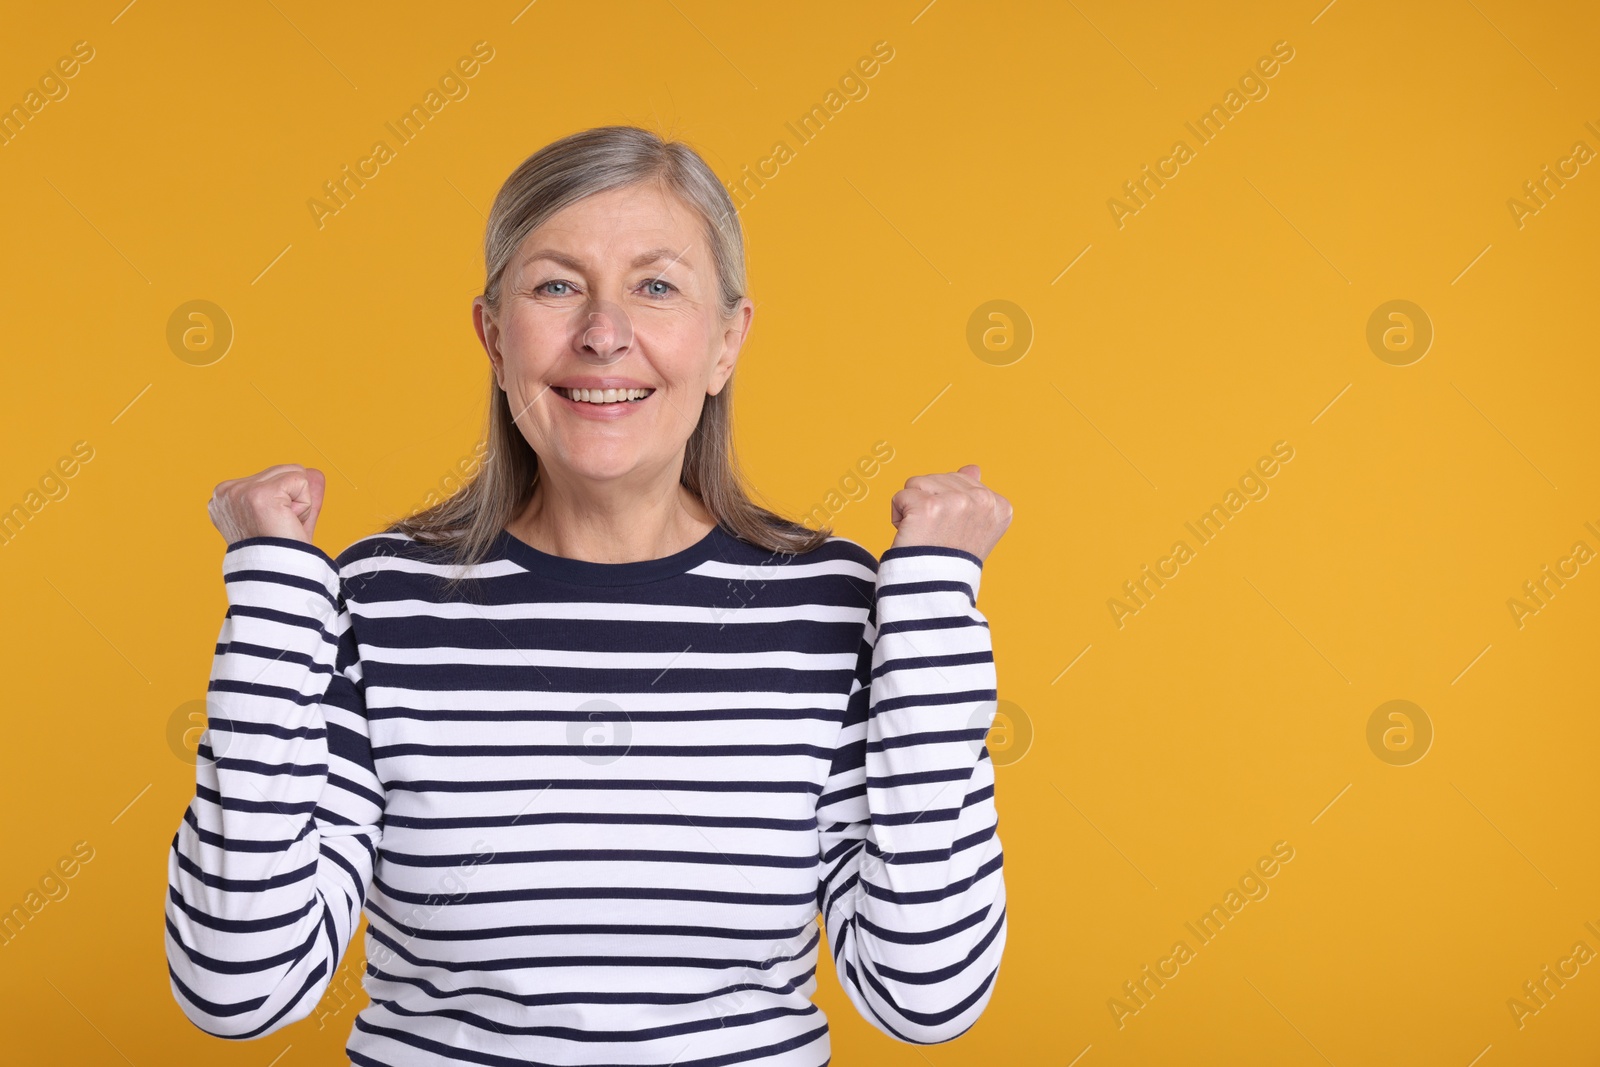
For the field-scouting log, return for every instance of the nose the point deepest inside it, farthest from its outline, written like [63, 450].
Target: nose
[605, 333]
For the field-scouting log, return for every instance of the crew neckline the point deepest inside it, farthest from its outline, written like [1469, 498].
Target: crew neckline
[634, 572]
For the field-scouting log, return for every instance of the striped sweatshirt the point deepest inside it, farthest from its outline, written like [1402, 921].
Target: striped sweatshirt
[594, 813]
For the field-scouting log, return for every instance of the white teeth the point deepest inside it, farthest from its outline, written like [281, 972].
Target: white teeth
[604, 396]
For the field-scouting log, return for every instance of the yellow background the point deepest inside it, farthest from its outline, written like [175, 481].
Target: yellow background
[1226, 315]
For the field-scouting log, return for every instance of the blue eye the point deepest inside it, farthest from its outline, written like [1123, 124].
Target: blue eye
[660, 281]
[542, 286]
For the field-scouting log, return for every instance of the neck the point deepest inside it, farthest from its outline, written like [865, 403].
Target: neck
[614, 522]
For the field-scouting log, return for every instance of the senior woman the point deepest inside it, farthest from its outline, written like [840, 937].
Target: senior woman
[596, 741]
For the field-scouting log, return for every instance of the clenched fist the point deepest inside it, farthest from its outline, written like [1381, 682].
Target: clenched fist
[281, 501]
[949, 510]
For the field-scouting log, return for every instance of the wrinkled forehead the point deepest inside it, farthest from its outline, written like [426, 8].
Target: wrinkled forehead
[617, 230]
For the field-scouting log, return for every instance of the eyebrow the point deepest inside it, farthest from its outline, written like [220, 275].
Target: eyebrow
[643, 259]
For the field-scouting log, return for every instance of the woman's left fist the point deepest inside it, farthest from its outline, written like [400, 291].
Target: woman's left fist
[951, 511]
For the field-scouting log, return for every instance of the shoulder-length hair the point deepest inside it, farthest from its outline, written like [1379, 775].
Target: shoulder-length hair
[467, 523]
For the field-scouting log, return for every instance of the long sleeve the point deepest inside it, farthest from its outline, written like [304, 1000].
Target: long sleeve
[270, 867]
[912, 894]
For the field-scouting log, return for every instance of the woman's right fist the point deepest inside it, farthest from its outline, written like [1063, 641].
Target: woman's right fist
[281, 501]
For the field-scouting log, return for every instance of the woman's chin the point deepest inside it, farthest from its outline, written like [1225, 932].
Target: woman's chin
[599, 465]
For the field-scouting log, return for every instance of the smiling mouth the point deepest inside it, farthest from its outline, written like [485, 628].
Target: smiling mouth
[603, 396]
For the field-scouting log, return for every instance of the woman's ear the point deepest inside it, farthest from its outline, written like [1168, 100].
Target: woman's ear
[489, 336]
[734, 332]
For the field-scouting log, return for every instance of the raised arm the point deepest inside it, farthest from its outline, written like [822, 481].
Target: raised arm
[913, 894]
[271, 864]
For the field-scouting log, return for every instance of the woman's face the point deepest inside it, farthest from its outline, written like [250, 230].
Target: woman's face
[615, 292]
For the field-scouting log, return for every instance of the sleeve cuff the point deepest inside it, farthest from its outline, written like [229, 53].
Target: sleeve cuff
[285, 542]
[930, 563]
[930, 550]
[257, 562]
